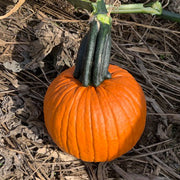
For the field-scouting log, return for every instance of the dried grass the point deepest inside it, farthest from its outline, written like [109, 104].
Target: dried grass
[13, 10]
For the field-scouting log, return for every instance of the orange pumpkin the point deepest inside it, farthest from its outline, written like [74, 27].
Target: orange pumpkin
[95, 124]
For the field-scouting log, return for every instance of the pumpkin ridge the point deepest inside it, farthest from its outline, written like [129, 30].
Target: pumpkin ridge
[94, 91]
[117, 102]
[78, 143]
[115, 119]
[119, 73]
[81, 95]
[134, 99]
[140, 107]
[70, 110]
[47, 109]
[105, 125]
[90, 122]
[130, 93]
[54, 115]
[67, 122]
[60, 128]
[129, 120]
[130, 101]
[60, 134]
[62, 90]
[57, 89]
[112, 113]
[75, 128]
[121, 106]
[96, 124]
[65, 83]
[59, 81]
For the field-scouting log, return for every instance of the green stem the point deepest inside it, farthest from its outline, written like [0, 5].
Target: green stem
[170, 16]
[94, 52]
[154, 9]
[99, 7]
[151, 8]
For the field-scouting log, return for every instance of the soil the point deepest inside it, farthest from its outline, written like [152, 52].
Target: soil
[41, 40]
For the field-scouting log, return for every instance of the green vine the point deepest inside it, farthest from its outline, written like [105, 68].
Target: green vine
[154, 8]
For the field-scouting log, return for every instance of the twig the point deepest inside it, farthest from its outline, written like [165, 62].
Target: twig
[14, 9]
[145, 26]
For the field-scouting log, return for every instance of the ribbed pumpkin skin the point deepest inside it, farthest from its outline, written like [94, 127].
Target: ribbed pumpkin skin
[95, 124]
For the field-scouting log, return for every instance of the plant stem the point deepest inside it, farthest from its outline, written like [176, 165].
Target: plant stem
[99, 7]
[94, 53]
[170, 16]
[153, 8]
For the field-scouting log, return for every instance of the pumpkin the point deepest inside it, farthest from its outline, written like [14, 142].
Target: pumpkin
[95, 111]
[95, 124]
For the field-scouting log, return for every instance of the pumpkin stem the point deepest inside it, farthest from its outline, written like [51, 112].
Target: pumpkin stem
[99, 7]
[94, 53]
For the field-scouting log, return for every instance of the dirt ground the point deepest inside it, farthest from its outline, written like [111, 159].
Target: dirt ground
[37, 43]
